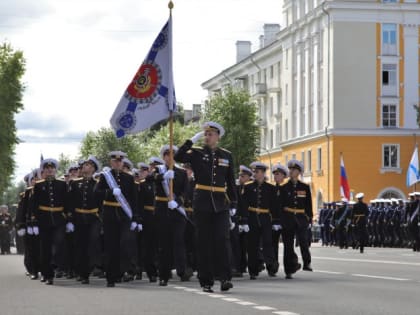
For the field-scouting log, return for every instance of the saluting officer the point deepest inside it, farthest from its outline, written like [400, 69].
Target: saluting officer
[50, 207]
[84, 206]
[6, 225]
[215, 195]
[117, 193]
[256, 208]
[296, 212]
[359, 219]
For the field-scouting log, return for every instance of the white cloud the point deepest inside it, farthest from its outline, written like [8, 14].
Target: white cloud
[81, 54]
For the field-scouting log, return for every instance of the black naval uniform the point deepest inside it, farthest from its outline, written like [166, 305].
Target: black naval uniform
[116, 224]
[171, 227]
[359, 219]
[296, 217]
[215, 193]
[146, 205]
[276, 220]
[190, 239]
[25, 220]
[6, 225]
[257, 208]
[84, 206]
[49, 205]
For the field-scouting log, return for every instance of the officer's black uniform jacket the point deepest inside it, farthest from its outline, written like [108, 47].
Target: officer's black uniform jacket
[82, 196]
[360, 213]
[295, 196]
[146, 195]
[180, 183]
[50, 193]
[255, 195]
[126, 183]
[212, 168]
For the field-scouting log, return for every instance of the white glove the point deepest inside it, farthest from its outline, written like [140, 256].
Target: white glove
[133, 226]
[21, 232]
[232, 225]
[244, 228]
[116, 192]
[172, 204]
[232, 212]
[139, 227]
[310, 226]
[30, 230]
[197, 137]
[36, 230]
[276, 227]
[69, 227]
[169, 175]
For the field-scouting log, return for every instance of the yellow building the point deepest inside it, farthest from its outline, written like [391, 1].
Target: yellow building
[341, 78]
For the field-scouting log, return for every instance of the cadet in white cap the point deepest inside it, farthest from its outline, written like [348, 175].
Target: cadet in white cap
[214, 174]
[116, 191]
[296, 213]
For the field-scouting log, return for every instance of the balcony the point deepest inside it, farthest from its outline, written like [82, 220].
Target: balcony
[260, 89]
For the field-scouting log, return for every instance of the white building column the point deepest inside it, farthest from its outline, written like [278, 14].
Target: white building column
[298, 88]
[306, 88]
[411, 75]
[315, 83]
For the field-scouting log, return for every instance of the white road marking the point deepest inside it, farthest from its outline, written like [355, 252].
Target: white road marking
[180, 288]
[190, 290]
[264, 308]
[245, 303]
[380, 277]
[388, 262]
[329, 272]
[216, 296]
[285, 313]
[231, 300]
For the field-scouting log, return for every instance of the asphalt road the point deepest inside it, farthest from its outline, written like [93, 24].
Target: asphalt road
[381, 281]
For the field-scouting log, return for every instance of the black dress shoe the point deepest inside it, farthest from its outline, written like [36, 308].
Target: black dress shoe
[289, 276]
[85, 281]
[307, 267]
[226, 285]
[79, 278]
[237, 274]
[59, 274]
[152, 279]
[252, 277]
[297, 268]
[49, 281]
[138, 276]
[43, 279]
[185, 277]
[163, 283]
[70, 275]
[34, 277]
[110, 284]
[207, 289]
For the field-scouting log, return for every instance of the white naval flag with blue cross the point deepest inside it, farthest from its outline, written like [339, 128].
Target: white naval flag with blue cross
[413, 169]
[150, 96]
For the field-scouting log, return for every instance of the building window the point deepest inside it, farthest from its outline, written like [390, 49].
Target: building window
[271, 107]
[389, 116]
[389, 1]
[389, 39]
[271, 139]
[286, 62]
[286, 129]
[302, 158]
[271, 72]
[309, 164]
[391, 156]
[389, 79]
[293, 156]
[319, 166]
[286, 158]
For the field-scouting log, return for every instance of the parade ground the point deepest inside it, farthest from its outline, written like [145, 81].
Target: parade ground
[381, 281]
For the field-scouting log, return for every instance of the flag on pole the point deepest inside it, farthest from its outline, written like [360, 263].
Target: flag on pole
[413, 169]
[150, 96]
[41, 158]
[344, 183]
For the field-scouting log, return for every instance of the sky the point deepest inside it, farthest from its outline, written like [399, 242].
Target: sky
[81, 55]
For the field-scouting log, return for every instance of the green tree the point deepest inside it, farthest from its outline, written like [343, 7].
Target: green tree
[10, 196]
[64, 162]
[12, 68]
[417, 108]
[235, 111]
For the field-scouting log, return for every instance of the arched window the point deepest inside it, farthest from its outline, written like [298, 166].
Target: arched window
[391, 192]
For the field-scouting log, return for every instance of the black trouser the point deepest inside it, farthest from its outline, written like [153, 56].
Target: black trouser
[213, 246]
[4, 241]
[235, 244]
[244, 255]
[150, 248]
[342, 235]
[415, 235]
[290, 259]
[361, 233]
[87, 247]
[32, 253]
[191, 245]
[276, 240]
[260, 233]
[52, 246]
[171, 238]
[116, 235]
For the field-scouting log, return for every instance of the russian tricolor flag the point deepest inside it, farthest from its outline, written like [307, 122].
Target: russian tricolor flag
[344, 183]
